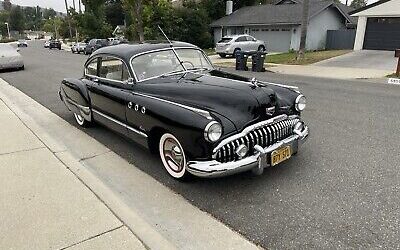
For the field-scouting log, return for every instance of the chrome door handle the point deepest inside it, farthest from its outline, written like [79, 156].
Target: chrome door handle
[95, 80]
[130, 104]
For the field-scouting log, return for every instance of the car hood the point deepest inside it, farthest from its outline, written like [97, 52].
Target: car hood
[226, 96]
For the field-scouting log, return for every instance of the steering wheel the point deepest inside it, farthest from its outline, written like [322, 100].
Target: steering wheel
[191, 64]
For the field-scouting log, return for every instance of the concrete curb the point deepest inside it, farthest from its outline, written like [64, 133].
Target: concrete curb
[149, 237]
[160, 218]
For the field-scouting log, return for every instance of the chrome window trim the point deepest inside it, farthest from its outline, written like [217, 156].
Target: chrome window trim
[250, 128]
[119, 123]
[165, 49]
[103, 78]
[201, 112]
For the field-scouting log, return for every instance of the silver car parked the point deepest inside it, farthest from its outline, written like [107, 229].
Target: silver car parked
[10, 58]
[229, 45]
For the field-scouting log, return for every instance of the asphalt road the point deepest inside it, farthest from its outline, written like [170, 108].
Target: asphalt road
[340, 191]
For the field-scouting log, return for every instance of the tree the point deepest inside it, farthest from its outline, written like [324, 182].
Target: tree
[49, 13]
[358, 3]
[68, 19]
[114, 12]
[4, 17]
[135, 9]
[304, 26]
[17, 19]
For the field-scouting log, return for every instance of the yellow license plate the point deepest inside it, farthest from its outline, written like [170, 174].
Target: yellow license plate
[280, 155]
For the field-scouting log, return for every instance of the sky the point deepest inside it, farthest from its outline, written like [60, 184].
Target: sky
[59, 5]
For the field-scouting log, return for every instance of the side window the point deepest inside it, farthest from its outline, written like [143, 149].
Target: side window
[241, 39]
[113, 69]
[91, 68]
[251, 39]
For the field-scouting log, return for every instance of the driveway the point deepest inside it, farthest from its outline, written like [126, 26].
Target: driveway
[363, 59]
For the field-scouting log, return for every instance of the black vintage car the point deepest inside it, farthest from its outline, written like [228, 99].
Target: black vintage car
[55, 44]
[200, 120]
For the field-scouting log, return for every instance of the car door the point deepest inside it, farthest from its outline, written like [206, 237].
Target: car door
[251, 43]
[241, 42]
[109, 92]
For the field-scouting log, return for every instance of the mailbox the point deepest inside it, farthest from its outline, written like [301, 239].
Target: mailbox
[397, 53]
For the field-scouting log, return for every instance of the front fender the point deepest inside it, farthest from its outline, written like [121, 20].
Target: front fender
[186, 125]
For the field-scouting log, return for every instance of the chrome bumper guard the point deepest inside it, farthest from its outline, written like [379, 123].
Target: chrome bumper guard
[214, 168]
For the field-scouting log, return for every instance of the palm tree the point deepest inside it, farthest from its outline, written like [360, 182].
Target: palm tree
[68, 20]
[304, 26]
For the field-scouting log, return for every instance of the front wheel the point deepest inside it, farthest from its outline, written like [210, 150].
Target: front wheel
[261, 48]
[173, 156]
[222, 55]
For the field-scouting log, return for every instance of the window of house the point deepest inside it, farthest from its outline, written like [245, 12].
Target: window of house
[113, 69]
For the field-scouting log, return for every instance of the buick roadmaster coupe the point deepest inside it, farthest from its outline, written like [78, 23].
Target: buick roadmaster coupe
[201, 121]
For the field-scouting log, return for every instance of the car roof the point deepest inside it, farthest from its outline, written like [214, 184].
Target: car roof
[235, 36]
[126, 50]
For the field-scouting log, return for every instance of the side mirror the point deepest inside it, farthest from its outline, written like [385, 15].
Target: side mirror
[130, 81]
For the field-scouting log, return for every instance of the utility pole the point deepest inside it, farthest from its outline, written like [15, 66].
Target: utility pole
[80, 8]
[73, 2]
[304, 26]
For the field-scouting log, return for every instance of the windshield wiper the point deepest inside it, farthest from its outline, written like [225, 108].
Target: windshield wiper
[171, 73]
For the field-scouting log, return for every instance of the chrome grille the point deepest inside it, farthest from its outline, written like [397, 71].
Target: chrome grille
[262, 135]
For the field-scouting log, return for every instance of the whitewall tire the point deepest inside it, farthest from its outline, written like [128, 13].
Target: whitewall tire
[172, 156]
[80, 120]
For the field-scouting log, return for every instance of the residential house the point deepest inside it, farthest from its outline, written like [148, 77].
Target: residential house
[279, 24]
[378, 26]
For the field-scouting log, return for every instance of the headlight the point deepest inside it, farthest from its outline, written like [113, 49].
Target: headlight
[300, 103]
[213, 131]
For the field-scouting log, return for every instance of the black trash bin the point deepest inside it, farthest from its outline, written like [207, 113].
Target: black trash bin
[258, 60]
[241, 60]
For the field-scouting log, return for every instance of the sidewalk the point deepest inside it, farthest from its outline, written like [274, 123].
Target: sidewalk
[43, 204]
[61, 188]
[329, 72]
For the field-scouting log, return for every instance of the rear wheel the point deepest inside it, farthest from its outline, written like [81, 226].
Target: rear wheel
[222, 55]
[236, 51]
[81, 121]
[173, 156]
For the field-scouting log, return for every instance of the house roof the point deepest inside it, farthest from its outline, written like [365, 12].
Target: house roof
[368, 6]
[278, 14]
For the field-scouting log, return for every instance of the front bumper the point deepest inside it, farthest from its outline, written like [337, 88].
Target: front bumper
[217, 169]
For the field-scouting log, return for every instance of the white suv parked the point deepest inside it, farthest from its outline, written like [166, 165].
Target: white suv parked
[229, 45]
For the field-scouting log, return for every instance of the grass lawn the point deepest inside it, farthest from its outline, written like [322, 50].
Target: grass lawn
[310, 57]
[392, 76]
[209, 52]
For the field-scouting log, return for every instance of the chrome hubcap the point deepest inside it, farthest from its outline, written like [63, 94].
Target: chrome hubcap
[173, 155]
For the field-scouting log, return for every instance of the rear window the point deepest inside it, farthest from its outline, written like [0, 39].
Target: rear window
[225, 40]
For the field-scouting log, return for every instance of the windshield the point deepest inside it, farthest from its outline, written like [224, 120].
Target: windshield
[225, 40]
[165, 62]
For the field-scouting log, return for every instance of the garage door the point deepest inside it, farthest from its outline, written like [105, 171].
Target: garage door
[277, 40]
[382, 34]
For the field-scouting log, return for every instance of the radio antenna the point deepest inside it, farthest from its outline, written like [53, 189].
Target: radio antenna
[164, 35]
[173, 49]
